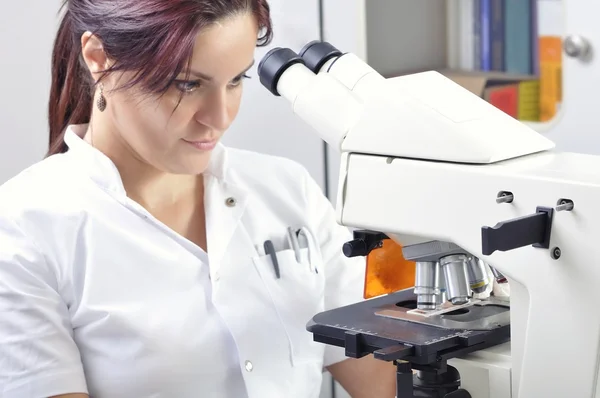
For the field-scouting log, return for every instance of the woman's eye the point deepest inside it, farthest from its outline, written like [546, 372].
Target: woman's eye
[238, 80]
[187, 87]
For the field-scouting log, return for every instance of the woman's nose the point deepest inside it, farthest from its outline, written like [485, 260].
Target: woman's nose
[214, 112]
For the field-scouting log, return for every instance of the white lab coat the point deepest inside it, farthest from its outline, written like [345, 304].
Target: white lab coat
[98, 296]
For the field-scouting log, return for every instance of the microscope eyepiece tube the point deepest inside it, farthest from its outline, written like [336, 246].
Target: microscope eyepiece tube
[273, 66]
[457, 284]
[478, 276]
[355, 74]
[349, 69]
[317, 53]
[320, 100]
[425, 285]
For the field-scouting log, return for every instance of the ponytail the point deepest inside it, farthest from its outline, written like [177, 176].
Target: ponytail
[70, 93]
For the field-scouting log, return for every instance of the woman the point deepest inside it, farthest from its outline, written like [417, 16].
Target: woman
[132, 259]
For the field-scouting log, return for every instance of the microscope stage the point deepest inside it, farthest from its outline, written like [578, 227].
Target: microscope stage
[485, 314]
[384, 327]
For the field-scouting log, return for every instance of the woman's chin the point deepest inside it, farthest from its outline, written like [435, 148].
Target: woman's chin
[194, 167]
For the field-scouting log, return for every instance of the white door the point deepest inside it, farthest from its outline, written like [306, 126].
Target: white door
[576, 128]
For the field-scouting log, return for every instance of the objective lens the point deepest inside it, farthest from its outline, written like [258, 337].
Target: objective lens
[456, 278]
[478, 277]
[440, 283]
[425, 285]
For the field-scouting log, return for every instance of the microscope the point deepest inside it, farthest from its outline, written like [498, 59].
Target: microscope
[480, 202]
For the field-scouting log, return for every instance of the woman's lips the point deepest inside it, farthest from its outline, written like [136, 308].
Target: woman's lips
[205, 145]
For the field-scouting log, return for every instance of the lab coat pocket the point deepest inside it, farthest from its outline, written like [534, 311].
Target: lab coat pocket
[297, 296]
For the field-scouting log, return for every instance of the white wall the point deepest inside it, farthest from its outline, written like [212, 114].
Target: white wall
[26, 34]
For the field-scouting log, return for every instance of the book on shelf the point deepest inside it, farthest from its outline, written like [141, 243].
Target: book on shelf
[495, 48]
[550, 76]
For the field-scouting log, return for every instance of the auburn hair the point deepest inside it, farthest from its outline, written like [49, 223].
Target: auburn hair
[153, 38]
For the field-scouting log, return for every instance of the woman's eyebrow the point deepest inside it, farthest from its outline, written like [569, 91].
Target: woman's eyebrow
[204, 76]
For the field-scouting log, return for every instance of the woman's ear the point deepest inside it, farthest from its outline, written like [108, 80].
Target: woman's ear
[94, 55]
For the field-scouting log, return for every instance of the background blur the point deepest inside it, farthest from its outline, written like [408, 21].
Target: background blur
[538, 66]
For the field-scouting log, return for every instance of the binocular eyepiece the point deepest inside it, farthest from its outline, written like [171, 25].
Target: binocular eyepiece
[326, 88]
[313, 55]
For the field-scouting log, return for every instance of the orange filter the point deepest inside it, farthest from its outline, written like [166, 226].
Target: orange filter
[388, 271]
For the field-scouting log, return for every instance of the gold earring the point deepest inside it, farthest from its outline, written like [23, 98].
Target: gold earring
[101, 103]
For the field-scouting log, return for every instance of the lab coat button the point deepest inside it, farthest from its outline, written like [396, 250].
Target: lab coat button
[230, 202]
[249, 366]
[216, 276]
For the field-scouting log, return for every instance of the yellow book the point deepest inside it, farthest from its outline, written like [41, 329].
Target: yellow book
[529, 101]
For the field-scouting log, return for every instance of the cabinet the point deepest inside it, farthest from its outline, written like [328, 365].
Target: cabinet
[400, 36]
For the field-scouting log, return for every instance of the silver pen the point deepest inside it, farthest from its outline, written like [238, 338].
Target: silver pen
[293, 241]
[304, 241]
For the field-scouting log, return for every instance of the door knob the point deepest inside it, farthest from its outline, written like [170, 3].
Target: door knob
[576, 46]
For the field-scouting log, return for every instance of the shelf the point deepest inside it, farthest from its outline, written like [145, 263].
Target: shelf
[398, 37]
[407, 36]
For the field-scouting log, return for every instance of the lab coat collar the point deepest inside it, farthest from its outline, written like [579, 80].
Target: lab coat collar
[103, 171]
[224, 201]
[91, 161]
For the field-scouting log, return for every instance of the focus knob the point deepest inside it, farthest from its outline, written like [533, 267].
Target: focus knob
[355, 248]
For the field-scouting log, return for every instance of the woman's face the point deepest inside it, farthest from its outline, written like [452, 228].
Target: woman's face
[176, 133]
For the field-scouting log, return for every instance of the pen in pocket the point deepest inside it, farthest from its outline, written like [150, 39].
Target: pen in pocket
[270, 250]
[299, 240]
[294, 244]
